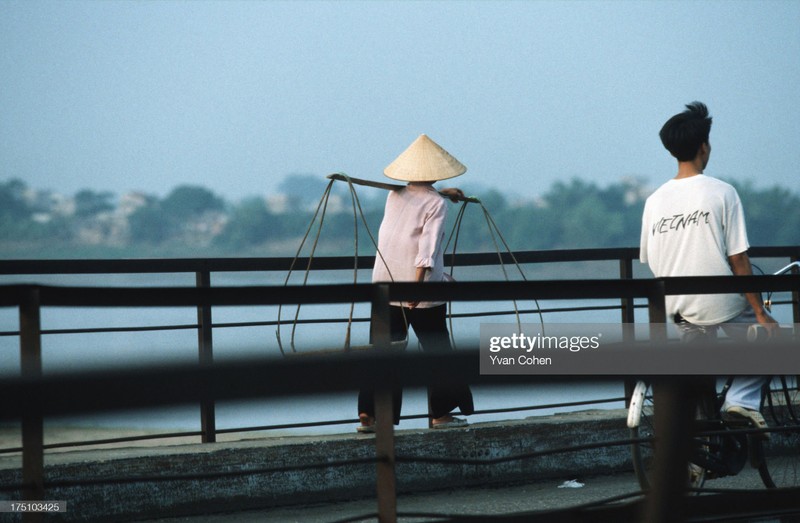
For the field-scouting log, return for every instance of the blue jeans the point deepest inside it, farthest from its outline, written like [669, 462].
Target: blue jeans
[745, 391]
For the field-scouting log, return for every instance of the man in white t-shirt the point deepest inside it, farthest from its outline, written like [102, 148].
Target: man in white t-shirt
[693, 225]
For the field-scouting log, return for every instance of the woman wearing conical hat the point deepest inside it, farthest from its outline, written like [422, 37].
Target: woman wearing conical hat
[411, 245]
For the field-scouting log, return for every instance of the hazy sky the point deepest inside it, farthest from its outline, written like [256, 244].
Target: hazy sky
[149, 95]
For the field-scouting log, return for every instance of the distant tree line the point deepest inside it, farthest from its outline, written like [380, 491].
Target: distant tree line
[193, 221]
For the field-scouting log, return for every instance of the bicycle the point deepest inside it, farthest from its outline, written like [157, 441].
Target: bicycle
[721, 447]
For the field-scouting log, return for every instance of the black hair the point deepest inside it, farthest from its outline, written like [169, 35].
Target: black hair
[684, 133]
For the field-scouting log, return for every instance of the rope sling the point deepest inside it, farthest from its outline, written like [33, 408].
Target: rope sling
[321, 209]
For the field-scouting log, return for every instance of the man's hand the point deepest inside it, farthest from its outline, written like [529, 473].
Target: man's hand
[740, 265]
[768, 322]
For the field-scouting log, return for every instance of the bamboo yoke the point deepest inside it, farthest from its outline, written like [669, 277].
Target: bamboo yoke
[389, 186]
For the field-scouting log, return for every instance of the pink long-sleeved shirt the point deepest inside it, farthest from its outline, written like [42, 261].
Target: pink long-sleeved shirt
[411, 236]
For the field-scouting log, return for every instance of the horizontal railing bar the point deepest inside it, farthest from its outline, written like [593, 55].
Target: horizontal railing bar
[551, 406]
[330, 320]
[730, 284]
[11, 295]
[537, 311]
[186, 296]
[174, 384]
[424, 416]
[120, 389]
[176, 265]
[173, 265]
[335, 320]
[773, 251]
[588, 289]
[312, 321]
[312, 294]
[108, 441]
[310, 424]
[105, 330]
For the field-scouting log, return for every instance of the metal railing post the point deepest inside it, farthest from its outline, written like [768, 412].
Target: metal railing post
[627, 311]
[657, 311]
[208, 424]
[795, 296]
[666, 500]
[628, 319]
[30, 334]
[384, 414]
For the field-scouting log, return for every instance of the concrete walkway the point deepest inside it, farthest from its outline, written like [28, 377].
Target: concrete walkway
[538, 496]
[185, 479]
[279, 478]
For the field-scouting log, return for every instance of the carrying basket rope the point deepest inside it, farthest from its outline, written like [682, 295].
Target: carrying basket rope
[395, 345]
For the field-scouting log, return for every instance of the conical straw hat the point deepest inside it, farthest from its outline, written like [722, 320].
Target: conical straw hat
[424, 161]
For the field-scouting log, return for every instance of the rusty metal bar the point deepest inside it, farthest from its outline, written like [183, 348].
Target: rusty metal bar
[189, 265]
[64, 296]
[795, 295]
[208, 424]
[282, 264]
[384, 415]
[626, 273]
[657, 310]
[628, 319]
[384, 450]
[32, 420]
[666, 500]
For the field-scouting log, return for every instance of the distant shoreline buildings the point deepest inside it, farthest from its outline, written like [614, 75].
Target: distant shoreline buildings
[192, 219]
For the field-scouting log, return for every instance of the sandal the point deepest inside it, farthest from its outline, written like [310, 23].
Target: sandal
[367, 424]
[450, 424]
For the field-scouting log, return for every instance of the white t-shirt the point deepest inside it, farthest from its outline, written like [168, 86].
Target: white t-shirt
[690, 227]
[411, 235]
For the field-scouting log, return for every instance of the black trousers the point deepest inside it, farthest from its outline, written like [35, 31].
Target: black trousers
[430, 326]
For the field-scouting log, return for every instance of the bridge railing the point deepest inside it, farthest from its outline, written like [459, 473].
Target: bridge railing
[204, 271]
[32, 396]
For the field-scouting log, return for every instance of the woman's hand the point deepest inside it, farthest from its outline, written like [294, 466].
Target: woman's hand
[419, 277]
[454, 193]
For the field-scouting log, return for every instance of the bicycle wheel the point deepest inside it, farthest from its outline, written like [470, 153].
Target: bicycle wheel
[641, 422]
[779, 456]
[642, 427]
